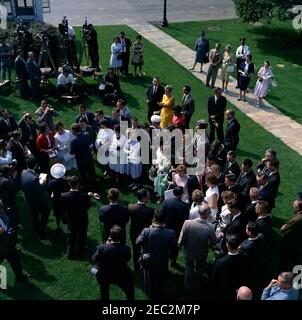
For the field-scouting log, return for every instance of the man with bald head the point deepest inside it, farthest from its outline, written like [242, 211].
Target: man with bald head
[195, 236]
[244, 293]
[292, 238]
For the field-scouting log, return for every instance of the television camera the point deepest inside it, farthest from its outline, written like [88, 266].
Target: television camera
[63, 27]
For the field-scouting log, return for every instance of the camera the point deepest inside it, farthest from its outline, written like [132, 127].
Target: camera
[63, 27]
[85, 29]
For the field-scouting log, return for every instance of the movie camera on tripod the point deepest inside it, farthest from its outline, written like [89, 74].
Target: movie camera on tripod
[63, 27]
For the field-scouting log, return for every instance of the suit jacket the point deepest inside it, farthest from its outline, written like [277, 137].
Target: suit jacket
[35, 194]
[8, 192]
[21, 69]
[274, 183]
[177, 212]
[155, 98]
[33, 70]
[80, 147]
[267, 194]
[5, 128]
[237, 226]
[229, 273]
[18, 154]
[111, 215]
[112, 260]
[250, 212]
[141, 217]
[246, 182]
[231, 137]
[253, 249]
[25, 132]
[217, 109]
[193, 184]
[220, 157]
[265, 226]
[127, 45]
[158, 241]
[188, 106]
[234, 168]
[47, 118]
[90, 132]
[76, 205]
[89, 117]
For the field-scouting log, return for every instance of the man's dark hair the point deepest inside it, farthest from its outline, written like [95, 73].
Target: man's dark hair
[105, 123]
[178, 191]
[59, 124]
[73, 182]
[248, 163]
[113, 194]
[274, 162]
[187, 88]
[122, 102]
[115, 233]
[253, 228]
[232, 153]
[232, 240]
[99, 112]
[231, 177]
[263, 205]
[76, 128]
[233, 204]
[83, 106]
[83, 120]
[141, 194]
[160, 216]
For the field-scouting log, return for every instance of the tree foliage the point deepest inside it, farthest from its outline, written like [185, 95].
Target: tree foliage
[254, 10]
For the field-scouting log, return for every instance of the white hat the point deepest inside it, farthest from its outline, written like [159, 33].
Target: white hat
[57, 170]
[155, 119]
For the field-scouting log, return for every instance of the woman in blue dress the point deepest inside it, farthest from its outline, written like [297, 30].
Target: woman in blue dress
[202, 48]
[115, 60]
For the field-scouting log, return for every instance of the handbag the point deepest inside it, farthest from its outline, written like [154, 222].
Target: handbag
[230, 68]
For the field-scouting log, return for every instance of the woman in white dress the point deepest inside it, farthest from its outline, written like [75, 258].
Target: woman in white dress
[265, 78]
[116, 50]
[212, 195]
[62, 140]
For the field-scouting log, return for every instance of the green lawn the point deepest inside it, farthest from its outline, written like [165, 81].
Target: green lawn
[55, 277]
[277, 42]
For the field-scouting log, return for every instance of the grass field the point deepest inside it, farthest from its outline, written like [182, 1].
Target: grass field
[277, 42]
[55, 277]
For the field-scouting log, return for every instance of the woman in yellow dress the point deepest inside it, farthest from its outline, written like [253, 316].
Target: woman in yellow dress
[167, 104]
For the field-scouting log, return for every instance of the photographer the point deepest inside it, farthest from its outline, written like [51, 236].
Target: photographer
[93, 46]
[45, 114]
[111, 260]
[66, 83]
[8, 193]
[8, 249]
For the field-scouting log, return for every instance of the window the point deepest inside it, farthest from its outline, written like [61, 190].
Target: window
[24, 3]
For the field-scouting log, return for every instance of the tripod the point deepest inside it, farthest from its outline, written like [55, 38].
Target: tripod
[44, 56]
[84, 51]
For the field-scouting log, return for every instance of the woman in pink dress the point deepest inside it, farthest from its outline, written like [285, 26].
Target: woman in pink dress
[180, 179]
[265, 77]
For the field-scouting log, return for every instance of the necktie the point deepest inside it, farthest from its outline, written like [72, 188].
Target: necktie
[242, 50]
[154, 90]
[200, 182]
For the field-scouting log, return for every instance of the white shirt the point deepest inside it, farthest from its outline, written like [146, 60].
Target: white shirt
[104, 137]
[7, 159]
[132, 149]
[246, 51]
[63, 81]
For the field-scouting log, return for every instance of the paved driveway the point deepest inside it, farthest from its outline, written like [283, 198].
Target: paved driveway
[108, 12]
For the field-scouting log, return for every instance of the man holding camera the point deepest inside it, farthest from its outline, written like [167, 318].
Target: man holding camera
[45, 114]
[93, 46]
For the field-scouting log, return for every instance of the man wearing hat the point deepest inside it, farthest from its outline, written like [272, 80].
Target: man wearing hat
[154, 97]
[56, 187]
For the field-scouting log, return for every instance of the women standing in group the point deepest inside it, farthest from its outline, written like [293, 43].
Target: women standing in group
[115, 59]
[265, 77]
[202, 48]
[227, 67]
[167, 105]
[246, 70]
[62, 139]
[138, 59]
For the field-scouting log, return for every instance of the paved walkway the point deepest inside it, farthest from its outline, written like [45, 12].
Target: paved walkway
[269, 117]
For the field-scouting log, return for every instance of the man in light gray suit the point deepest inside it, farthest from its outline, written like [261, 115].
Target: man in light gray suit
[195, 236]
[45, 114]
[187, 105]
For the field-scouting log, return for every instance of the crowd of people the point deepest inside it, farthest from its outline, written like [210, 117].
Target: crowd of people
[223, 206]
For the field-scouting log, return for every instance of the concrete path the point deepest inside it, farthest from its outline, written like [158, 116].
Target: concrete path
[269, 117]
[113, 12]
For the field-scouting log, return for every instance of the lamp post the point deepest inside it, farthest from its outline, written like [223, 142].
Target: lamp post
[165, 23]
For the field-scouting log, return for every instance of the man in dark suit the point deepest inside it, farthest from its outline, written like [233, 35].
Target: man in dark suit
[230, 271]
[8, 124]
[158, 241]
[29, 133]
[154, 96]
[274, 178]
[18, 151]
[111, 261]
[80, 147]
[246, 180]
[265, 191]
[250, 211]
[231, 137]
[113, 214]
[34, 73]
[93, 47]
[195, 182]
[22, 75]
[219, 153]
[126, 45]
[36, 198]
[177, 212]
[76, 205]
[264, 220]
[232, 164]
[83, 113]
[141, 217]
[8, 240]
[216, 108]
[187, 105]
[87, 129]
